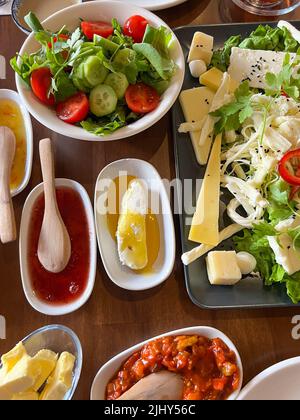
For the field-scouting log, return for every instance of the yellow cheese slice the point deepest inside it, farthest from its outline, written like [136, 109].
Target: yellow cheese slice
[196, 104]
[213, 79]
[205, 225]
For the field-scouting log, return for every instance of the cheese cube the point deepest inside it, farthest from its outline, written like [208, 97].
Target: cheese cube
[223, 268]
[196, 105]
[201, 48]
[213, 79]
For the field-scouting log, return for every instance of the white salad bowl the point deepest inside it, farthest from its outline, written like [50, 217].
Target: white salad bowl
[32, 298]
[162, 269]
[107, 372]
[13, 96]
[100, 10]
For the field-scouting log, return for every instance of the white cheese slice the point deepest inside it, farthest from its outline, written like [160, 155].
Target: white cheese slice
[253, 65]
[285, 254]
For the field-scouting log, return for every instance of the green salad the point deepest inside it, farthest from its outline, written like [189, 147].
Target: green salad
[101, 76]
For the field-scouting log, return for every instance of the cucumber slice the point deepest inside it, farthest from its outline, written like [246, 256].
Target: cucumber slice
[103, 100]
[119, 83]
[123, 58]
[79, 79]
[94, 71]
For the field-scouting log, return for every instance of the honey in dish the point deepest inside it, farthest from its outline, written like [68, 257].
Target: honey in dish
[11, 116]
[152, 226]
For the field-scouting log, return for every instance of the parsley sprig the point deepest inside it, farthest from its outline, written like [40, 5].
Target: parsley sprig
[232, 115]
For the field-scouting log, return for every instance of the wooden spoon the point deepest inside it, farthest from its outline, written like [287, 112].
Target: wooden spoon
[54, 249]
[8, 230]
[159, 386]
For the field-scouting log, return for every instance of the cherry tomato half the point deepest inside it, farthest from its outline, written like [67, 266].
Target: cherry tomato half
[135, 27]
[142, 98]
[40, 83]
[96, 28]
[288, 167]
[74, 109]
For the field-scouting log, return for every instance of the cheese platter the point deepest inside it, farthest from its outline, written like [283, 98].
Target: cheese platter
[232, 151]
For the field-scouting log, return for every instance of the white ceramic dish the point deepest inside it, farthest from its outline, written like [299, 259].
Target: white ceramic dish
[101, 10]
[280, 382]
[110, 368]
[35, 302]
[13, 96]
[120, 275]
[154, 4]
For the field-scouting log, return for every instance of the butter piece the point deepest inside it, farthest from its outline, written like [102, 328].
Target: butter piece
[45, 363]
[20, 378]
[60, 381]
[26, 396]
[10, 359]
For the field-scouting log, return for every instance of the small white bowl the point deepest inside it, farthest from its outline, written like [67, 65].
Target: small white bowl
[35, 302]
[13, 96]
[280, 382]
[110, 368]
[103, 10]
[121, 275]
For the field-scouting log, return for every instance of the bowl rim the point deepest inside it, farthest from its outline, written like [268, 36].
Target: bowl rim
[129, 130]
[267, 373]
[202, 330]
[16, 97]
[170, 216]
[64, 309]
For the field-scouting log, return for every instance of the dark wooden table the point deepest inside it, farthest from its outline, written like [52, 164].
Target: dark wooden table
[114, 319]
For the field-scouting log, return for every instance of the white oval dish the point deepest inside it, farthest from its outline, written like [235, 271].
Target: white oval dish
[13, 96]
[103, 10]
[121, 275]
[35, 302]
[110, 368]
[155, 4]
[280, 382]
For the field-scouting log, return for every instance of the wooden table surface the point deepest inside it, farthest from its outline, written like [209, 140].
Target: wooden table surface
[113, 319]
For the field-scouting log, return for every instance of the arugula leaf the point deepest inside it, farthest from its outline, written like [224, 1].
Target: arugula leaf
[232, 115]
[28, 64]
[63, 87]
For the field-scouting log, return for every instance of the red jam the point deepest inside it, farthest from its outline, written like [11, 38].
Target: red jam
[69, 285]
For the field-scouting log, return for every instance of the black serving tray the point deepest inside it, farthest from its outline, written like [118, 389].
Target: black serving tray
[250, 292]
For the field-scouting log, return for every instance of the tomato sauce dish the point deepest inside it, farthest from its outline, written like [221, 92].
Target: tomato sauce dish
[207, 360]
[65, 292]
